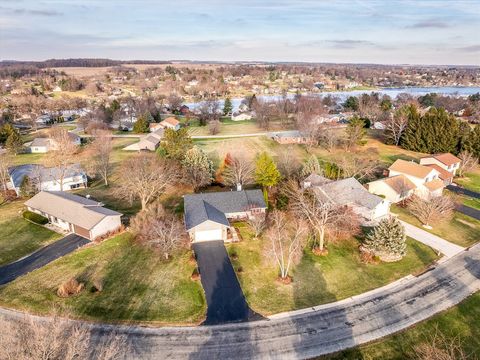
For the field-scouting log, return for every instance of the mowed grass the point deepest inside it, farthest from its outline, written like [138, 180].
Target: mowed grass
[19, 237]
[317, 280]
[137, 286]
[459, 324]
[470, 181]
[461, 229]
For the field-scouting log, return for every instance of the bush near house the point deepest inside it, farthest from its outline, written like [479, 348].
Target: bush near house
[35, 218]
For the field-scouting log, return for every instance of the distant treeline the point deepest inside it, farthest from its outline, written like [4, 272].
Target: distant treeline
[76, 63]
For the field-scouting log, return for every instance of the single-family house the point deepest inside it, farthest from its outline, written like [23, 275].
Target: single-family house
[426, 179]
[395, 189]
[43, 119]
[446, 161]
[289, 137]
[73, 213]
[208, 215]
[313, 180]
[170, 123]
[349, 192]
[48, 179]
[149, 142]
[155, 126]
[44, 145]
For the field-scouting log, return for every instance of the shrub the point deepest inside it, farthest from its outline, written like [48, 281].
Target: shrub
[70, 288]
[387, 240]
[35, 218]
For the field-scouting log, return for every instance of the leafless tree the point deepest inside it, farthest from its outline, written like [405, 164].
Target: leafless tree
[433, 210]
[257, 224]
[469, 163]
[319, 213]
[214, 127]
[145, 177]
[312, 166]
[5, 163]
[361, 168]
[288, 164]
[238, 170]
[99, 155]
[209, 111]
[55, 339]
[395, 125]
[159, 230]
[264, 112]
[440, 347]
[63, 155]
[329, 137]
[174, 101]
[286, 241]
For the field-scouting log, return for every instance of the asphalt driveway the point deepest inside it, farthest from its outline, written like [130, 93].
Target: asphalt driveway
[41, 257]
[462, 191]
[225, 299]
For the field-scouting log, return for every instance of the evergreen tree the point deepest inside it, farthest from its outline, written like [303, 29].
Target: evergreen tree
[312, 166]
[227, 107]
[355, 131]
[266, 172]
[472, 143]
[14, 142]
[199, 168]
[175, 144]
[351, 103]
[27, 188]
[142, 124]
[387, 240]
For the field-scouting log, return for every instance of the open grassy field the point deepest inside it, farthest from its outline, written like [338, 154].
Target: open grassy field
[471, 181]
[137, 286]
[19, 237]
[459, 324]
[317, 280]
[461, 229]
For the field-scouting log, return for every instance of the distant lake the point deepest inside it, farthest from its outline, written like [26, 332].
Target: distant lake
[392, 92]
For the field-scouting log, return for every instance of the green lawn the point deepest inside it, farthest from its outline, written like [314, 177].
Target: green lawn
[471, 181]
[461, 229]
[19, 237]
[460, 323]
[137, 286]
[317, 280]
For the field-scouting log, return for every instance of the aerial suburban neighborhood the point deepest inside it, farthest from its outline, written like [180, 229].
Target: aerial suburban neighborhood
[291, 192]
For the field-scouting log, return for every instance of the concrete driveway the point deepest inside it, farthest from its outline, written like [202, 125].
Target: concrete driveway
[225, 299]
[41, 257]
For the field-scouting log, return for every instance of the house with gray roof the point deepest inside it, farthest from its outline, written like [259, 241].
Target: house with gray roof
[73, 213]
[44, 144]
[47, 178]
[208, 215]
[148, 142]
[349, 192]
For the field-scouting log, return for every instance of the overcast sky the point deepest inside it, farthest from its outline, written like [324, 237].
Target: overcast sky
[414, 32]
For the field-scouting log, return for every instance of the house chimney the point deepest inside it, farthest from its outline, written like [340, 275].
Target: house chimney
[239, 187]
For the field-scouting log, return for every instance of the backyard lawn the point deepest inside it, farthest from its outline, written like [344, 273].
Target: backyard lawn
[317, 280]
[137, 286]
[470, 181]
[459, 324]
[461, 229]
[19, 237]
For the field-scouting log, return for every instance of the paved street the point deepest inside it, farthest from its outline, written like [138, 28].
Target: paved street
[225, 299]
[435, 242]
[41, 257]
[326, 329]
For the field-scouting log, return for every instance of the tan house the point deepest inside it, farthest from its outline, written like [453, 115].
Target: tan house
[149, 142]
[74, 213]
[289, 137]
[170, 123]
[445, 161]
[394, 189]
[208, 215]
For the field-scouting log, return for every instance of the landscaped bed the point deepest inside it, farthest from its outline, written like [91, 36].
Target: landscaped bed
[137, 286]
[19, 237]
[317, 280]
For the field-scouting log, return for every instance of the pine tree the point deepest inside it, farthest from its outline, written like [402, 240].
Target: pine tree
[199, 168]
[176, 143]
[266, 172]
[227, 107]
[142, 124]
[14, 142]
[27, 189]
[355, 131]
[387, 240]
[312, 166]
[472, 143]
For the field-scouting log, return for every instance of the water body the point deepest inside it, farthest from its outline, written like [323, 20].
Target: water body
[392, 92]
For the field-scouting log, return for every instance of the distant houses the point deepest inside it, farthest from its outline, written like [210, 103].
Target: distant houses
[73, 213]
[44, 178]
[289, 137]
[44, 145]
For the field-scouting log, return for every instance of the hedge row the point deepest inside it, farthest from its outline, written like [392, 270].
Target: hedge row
[34, 217]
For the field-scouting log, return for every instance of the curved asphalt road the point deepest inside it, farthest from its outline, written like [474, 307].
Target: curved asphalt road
[327, 329]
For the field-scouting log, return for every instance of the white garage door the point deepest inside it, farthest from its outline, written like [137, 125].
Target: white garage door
[206, 235]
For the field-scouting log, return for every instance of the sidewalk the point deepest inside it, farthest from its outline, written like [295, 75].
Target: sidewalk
[435, 242]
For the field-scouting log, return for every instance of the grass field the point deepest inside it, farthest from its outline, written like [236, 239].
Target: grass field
[459, 324]
[137, 286]
[461, 229]
[471, 181]
[317, 280]
[19, 237]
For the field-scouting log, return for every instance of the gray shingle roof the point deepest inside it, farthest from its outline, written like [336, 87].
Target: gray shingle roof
[17, 173]
[348, 191]
[40, 142]
[213, 206]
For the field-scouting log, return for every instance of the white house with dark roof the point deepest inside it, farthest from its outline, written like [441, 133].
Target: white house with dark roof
[73, 213]
[208, 215]
[48, 179]
[44, 145]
